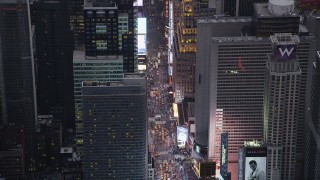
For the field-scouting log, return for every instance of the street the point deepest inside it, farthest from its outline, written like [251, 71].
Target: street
[170, 162]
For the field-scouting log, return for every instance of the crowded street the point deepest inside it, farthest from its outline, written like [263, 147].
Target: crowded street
[170, 161]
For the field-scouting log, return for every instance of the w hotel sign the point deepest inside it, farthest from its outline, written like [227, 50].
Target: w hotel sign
[285, 52]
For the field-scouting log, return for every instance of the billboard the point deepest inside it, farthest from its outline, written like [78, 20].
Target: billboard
[285, 52]
[142, 67]
[142, 50]
[138, 3]
[182, 136]
[142, 25]
[224, 154]
[255, 163]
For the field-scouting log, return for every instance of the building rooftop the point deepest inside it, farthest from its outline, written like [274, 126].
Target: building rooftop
[237, 39]
[101, 84]
[219, 19]
[261, 10]
[131, 81]
[79, 56]
[100, 4]
[254, 143]
[284, 38]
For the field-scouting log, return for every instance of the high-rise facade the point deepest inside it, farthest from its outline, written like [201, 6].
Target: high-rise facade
[281, 105]
[18, 91]
[77, 22]
[109, 30]
[209, 27]
[220, 104]
[240, 7]
[115, 136]
[312, 140]
[104, 69]
[229, 92]
[12, 161]
[185, 44]
[54, 60]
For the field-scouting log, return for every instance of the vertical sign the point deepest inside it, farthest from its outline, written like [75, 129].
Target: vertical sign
[224, 154]
[241, 164]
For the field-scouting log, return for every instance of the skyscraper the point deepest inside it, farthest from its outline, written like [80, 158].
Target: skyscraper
[281, 104]
[109, 49]
[54, 59]
[223, 51]
[185, 45]
[312, 141]
[109, 30]
[77, 22]
[229, 91]
[18, 91]
[115, 136]
[104, 69]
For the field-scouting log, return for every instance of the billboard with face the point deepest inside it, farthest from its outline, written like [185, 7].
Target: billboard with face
[285, 52]
[255, 163]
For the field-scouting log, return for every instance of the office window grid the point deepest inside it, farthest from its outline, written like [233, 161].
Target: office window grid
[114, 136]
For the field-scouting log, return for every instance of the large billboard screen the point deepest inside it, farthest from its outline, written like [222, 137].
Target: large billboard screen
[142, 25]
[142, 50]
[182, 136]
[255, 163]
[224, 154]
[138, 3]
[285, 52]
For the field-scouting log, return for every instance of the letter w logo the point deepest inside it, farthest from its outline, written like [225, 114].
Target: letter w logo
[286, 51]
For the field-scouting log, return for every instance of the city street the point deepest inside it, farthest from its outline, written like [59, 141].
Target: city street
[170, 163]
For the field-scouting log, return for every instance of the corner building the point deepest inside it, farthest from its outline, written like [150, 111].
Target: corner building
[115, 135]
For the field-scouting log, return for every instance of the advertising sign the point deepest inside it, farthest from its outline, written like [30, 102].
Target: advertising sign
[182, 136]
[255, 163]
[241, 164]
[138, 3]
[285, 52]
[142, 25]
[142, 49]
[224, 154]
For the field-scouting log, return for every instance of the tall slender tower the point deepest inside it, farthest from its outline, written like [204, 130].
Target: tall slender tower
[54, 59]
[281, 105]
[18, 69]
[312, 135]
[185, 45]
